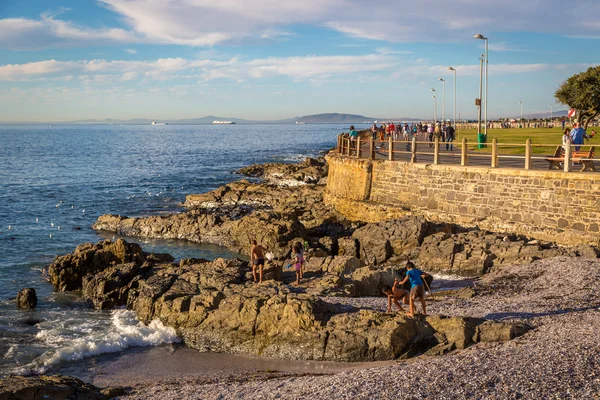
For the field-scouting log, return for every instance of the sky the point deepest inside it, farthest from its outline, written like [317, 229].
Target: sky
[64, 60]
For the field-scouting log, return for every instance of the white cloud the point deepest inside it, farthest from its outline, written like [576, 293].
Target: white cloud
[306, 68]
[131, 51]
[210, 22]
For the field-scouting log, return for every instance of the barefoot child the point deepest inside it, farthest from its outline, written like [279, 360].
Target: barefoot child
[394, 294]
[298, 261]
[417, 287]
[257, 259]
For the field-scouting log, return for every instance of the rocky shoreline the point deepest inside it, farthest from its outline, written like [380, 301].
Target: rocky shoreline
[333, 315]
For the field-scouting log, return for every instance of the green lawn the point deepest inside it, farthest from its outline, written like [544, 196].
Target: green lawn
[549, 137]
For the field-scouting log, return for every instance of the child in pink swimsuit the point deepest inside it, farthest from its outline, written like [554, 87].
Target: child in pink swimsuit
[299, 259]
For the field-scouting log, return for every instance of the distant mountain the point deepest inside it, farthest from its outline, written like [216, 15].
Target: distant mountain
[329, 118]
[334, 118]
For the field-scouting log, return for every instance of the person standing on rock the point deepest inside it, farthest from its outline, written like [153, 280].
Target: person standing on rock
[298, 261]
[394, 294]
[417, 287]
[257, 259]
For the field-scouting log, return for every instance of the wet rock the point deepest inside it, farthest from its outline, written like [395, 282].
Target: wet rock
[27, 298]
[310, 171]
[56, 387]
[67, 272]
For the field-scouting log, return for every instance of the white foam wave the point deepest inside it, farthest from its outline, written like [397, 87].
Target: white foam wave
[124, 331]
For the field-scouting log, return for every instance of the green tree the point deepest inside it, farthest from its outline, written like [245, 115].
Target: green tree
[582, 92]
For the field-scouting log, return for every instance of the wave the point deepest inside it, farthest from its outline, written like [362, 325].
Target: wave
[86, 339]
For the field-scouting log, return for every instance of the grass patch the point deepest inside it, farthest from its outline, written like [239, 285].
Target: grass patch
[549, 137]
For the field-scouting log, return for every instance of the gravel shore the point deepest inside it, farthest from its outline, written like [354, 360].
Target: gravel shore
[559, 359]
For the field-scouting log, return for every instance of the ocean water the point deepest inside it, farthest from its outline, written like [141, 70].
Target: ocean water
[56, 180]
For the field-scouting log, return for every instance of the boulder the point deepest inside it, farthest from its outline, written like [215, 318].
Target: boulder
[27, 298]
[55, 387]
[380, 241]
[348, 246]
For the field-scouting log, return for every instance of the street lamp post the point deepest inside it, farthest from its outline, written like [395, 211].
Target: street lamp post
[550, 114]
[480, 36]
[434, 107]
[479, 99]
[521, 120]
[454, 69]
[443, 97]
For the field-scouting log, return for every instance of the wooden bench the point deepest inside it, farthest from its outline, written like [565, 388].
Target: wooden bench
[583, 157]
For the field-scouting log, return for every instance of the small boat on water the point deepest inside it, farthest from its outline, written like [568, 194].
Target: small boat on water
[217, 122]
[159, 123]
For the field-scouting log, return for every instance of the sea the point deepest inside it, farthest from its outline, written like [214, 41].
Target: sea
[56, 180]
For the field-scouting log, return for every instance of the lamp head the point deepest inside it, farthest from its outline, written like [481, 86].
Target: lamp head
[480, 36]
[432, 89]
[451, 69]
[441, 79]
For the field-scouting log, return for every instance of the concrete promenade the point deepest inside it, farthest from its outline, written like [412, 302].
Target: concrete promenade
[425, 154]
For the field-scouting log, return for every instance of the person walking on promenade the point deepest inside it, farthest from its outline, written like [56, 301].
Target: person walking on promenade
[577, 135]
[353, 138]
[449, 137]
[394, 294]
[430, 132]
[257, 259]
[392, 131]
[417, 287]
[374, 131]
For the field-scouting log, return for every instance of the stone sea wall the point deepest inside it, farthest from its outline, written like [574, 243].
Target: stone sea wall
[549, 205]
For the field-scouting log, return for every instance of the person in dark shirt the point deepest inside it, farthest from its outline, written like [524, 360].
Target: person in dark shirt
[449, 137]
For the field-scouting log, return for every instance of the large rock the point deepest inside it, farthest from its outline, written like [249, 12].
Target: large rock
[476, 252]
[66, 272]
[27, 298]
[55, 387]
[213, 307]
[309, 171]
[380, 241]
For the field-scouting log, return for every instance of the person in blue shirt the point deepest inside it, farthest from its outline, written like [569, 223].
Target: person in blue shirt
[353, 137]
[577, 135]
[417, 287]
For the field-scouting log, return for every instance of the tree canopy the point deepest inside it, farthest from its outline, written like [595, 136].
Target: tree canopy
[582, 92]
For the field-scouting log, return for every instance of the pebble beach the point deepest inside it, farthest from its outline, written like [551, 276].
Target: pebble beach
[558, 359]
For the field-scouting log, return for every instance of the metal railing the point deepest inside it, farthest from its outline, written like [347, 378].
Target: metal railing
[495, 155]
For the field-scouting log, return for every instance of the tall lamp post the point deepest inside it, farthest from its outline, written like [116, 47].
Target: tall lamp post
[454, 69]
[443, 97]
[480, 36]
[521, 120]
[550, 114]
[434, 107]
[479, 99]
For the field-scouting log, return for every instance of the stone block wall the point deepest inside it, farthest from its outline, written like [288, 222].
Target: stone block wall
[550, 205]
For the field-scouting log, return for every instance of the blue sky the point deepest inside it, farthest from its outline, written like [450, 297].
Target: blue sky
[272, 59]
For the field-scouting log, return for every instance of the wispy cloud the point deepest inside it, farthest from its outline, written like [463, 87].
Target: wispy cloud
[211, 22]
[131, 51]
[304, 68]
[388, 51]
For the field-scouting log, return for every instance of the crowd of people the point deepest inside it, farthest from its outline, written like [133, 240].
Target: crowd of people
[422, 131]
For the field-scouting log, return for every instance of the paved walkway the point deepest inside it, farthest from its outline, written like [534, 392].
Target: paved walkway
[479, 159]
